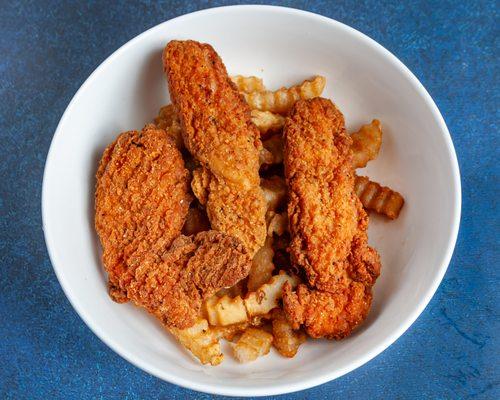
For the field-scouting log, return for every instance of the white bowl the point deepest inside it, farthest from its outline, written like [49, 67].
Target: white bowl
[283, 46]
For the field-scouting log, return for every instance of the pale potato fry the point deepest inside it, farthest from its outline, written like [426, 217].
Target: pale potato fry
[278, 224]
[267, 122]
[262, 266]
[265, 156]
[224, 311]
[378, 198]
[248, 84]
[209, 310]
[233, 291]
[286, 340]
[227, 311]
[199, 184]
[264, 299]
[366, 143]
[274, 145]
[282, 100]
[202, 341]
[229, 332]
[274, 189]
[168, 120]
[253, 343]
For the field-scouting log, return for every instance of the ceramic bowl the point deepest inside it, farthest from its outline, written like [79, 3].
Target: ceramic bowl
[283, 46]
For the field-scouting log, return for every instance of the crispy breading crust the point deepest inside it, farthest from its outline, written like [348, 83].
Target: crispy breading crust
[194, 268]
[321, 207]
[324, 314]
[141, 202]
[218, 131]
[327, 224]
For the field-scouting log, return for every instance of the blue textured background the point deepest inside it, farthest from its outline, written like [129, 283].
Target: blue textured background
[47, 50]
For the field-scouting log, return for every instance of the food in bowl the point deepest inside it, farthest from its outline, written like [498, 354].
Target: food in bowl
[237, 213]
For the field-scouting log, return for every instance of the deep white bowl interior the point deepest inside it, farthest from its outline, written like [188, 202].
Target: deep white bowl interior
[283, 46]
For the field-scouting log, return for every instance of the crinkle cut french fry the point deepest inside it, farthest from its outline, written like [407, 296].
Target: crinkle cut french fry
[274, 190]
[366, 143]
[267, 122]
[264, 299]
[210, 309]
[281, 101]
[378, 198]
[286, 340]
[230, 331]
[248, 84]
[227, 311]
[262, 266]
[230, 311]
[253, 343]
[201, 340]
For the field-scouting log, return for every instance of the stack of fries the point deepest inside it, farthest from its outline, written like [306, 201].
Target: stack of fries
[249, 314]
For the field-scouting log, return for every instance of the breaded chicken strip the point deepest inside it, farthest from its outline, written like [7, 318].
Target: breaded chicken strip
[336, 312]
[193, 269]
[327, 224]
[218, 131]
[141, 202]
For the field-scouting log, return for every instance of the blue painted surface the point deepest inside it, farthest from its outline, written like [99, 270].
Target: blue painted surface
[47, 50]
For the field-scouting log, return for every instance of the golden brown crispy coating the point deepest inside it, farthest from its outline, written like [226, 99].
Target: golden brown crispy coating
[200, 184]
[240, 214]
[193, 269]
[322, 207]
[327, 224]
[218, 131]
[196, 221]
[324, 314]
[336, 312]
[141, 202]
[215, 118]
[168, 121]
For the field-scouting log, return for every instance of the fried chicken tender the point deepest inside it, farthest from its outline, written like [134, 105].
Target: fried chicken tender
[327, 224]
[218, 131]
[192, 270]
[141, 202]
[324, 314]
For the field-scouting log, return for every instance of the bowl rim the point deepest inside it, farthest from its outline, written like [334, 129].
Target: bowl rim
[235, 390]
